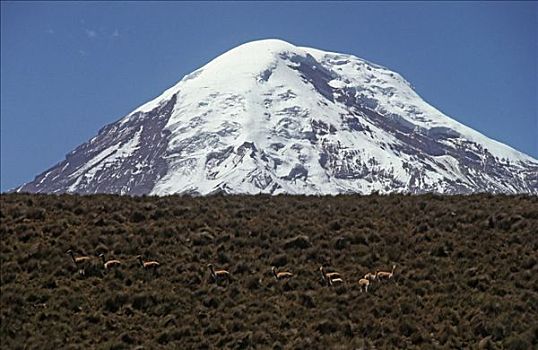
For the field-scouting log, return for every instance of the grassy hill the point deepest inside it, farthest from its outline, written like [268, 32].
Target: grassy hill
[466, 276]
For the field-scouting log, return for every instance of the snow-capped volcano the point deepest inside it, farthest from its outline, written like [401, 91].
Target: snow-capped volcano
[271, 117]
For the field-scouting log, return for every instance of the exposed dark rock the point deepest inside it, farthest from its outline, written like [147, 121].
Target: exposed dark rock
[120, 176]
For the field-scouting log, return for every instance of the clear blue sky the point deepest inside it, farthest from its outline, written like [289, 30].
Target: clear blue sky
[67, 69]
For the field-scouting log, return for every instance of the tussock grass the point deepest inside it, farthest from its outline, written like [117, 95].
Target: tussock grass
[466, 276]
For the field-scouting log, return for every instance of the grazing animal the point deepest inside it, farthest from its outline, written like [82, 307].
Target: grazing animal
[335, 280]
[110, 263]
[281, 275]
[370, 276]
[80, 262]
[148, 264]
[219, 275]
[330, 277]
[383, 275]
[364, 283]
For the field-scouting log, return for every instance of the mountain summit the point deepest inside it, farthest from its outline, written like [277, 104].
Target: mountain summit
[271, 117]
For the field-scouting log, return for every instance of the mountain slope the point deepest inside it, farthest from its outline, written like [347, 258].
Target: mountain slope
[270, 117]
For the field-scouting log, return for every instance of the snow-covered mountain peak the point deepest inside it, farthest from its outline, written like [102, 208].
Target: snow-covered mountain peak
[254, 54]
[271, 117]
[246, 61]
[235, 69]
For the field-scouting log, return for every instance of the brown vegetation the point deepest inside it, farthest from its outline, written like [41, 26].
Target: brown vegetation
[466, 276]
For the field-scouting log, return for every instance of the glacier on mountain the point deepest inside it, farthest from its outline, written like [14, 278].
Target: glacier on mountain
[271, 117]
